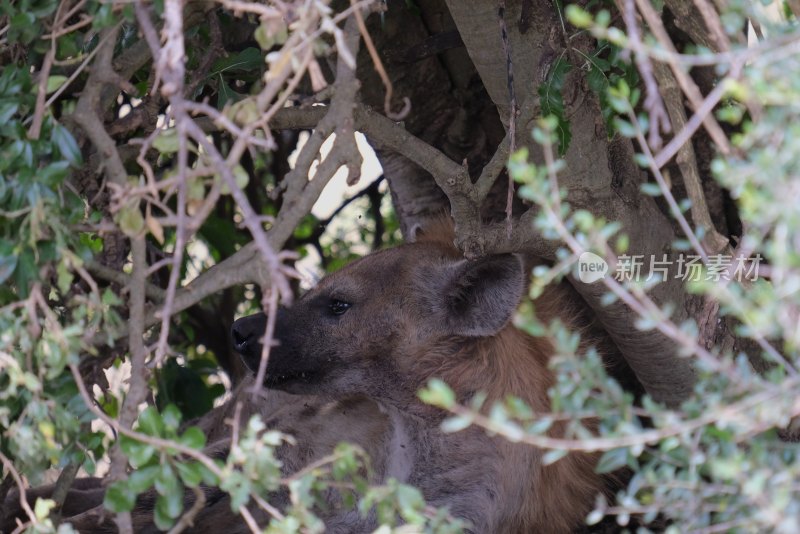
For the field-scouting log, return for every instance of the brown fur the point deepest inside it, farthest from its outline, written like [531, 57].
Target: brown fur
[533, 497]
[554, 498]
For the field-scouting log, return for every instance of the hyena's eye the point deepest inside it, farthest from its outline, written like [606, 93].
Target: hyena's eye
[338, 307]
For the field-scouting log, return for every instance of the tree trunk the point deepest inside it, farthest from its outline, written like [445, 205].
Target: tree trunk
[600, 174]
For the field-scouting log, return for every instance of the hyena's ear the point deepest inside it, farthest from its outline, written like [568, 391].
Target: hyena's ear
[479, 297]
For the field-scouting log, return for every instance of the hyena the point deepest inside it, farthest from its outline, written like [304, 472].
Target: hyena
[386, 324]
[351, 355]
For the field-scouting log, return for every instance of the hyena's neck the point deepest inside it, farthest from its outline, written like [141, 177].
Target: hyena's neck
[401, 450]
[509, 363]
[457, 470]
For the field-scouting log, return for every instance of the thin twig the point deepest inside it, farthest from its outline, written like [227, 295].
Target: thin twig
[675, 210]
[187, 519]
[647, 437]
[659, 119]
[688, 86]
[87, 107]
[687, 163]
[41, 93]
[695, 121]
[270, 305]
[104, 38]
[512, 113]
[378, 64]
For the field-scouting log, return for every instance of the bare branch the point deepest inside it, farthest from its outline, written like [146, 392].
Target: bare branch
[686, 161]
[659, 120]
[376, 61]
[688, 86]
[137, 391]
[63, 484]
[187, 519]
[170, 68]
[86, 110]
[23, 500]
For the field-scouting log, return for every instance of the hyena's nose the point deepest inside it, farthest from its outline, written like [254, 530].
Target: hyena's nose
[246, 333]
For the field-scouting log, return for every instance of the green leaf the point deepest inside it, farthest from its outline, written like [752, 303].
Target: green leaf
[130, 219]
[143, 479]
[409, 500]
[237, 485]
[456, 424]
[54, 82]
[42, 508]
[191, 473]
[578, 17]
[171, 417]
[193, 437]
[64, 277]
[104, 16]
[438, 394]
[651, 189]
[624, 127]
[226, 94]
[167, 141]
[7, 110]
[612, 460]
[552, 101]
[162, 513]
[167, 481]
[66, 145]
[119, 497]
[138, 453]
[270, 33]
[552, 456]
[594, 517]
[172, 502]
[247, 60]
[26, 272]
[7, 266]
[150, 422]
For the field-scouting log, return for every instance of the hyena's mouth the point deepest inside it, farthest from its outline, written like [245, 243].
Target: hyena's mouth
[277, 379]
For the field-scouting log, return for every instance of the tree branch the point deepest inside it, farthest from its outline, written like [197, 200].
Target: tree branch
[137, 391]
[88, 106]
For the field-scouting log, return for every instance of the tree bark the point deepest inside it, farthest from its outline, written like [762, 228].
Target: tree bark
[600, 176]
[426, 62]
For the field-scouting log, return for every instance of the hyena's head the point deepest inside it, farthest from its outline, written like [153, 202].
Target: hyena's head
[360, 329]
